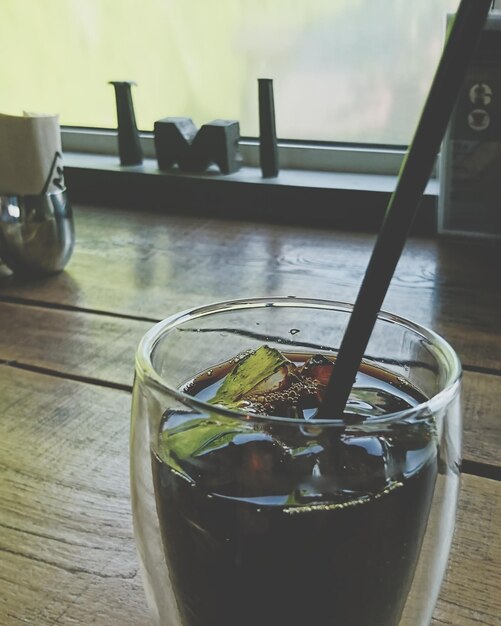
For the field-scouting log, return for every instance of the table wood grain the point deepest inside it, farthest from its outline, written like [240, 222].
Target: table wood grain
[143, 265]
[67, 345]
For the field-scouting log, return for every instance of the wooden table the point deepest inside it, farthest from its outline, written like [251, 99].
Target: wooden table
[66, 364]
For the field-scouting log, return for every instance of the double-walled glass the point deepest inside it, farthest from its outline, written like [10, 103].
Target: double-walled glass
[290, 521]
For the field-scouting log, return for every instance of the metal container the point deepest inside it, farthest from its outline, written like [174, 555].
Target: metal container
[37, 234]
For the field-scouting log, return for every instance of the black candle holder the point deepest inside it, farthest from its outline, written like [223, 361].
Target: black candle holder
[129, 145]
[268, 147]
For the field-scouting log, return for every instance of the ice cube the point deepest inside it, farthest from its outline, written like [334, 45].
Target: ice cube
[373, 401]
[318, 368]
[355, 464]
[261, 467]
[264, 371]
[184, 442]
[249, 465]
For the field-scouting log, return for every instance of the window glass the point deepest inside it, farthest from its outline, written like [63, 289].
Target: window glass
[343, 70]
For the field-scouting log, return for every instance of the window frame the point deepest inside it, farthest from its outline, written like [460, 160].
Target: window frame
[293, 154]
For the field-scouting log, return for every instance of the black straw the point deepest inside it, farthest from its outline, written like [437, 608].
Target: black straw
[462, 39]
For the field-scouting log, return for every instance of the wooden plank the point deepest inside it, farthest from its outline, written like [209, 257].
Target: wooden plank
[78, 344]
[481, 418]
[103, 348]
[149, 265]
[470, 593]
[67, 553]
[66, 544]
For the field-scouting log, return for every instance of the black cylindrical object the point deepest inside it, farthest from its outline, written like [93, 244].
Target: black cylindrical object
[268, 148]
[129, 145]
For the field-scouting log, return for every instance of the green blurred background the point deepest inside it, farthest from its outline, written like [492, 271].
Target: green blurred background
[343, 70]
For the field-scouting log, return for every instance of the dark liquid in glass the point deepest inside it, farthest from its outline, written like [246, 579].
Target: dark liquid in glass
[298, 527]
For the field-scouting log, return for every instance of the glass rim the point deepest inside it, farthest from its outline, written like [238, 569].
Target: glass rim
[145, 368]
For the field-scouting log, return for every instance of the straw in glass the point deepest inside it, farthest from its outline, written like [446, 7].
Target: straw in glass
[463, 36]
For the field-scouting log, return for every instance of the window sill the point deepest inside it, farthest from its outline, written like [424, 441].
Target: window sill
[354, 201]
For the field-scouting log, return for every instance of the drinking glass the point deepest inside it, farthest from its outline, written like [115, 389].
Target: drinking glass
[242, 519]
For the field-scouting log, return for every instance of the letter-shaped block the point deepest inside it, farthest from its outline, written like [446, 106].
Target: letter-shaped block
[177, 141]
